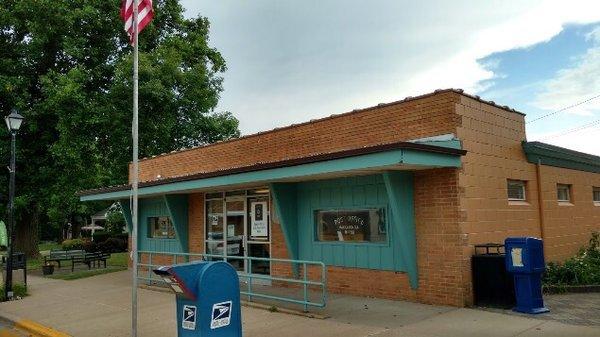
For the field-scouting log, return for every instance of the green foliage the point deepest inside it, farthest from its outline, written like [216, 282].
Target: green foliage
[66, 65]
[74, 244]
[583, 269]
[115, 222]
[19, 290]
[102, 236]
[48, 245]
[113, 245]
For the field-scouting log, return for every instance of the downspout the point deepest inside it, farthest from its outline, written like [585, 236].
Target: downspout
[538, 171]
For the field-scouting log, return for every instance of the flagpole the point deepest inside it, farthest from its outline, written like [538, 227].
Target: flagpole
[134, 184]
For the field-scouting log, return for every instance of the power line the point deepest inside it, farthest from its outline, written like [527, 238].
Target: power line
[575, 129]
[563, 109]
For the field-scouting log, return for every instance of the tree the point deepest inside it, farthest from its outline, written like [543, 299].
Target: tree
[66, 65]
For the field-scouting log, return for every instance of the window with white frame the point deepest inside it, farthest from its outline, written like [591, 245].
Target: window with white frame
[516, 190]
[596, 194]
[563, 192]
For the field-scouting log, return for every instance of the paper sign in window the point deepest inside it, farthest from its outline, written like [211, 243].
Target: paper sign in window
[259, 226]
[516, 255]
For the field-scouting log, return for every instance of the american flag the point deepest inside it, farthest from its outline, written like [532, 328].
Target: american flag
[145, 14]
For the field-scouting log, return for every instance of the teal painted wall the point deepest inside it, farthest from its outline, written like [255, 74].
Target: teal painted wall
[352, 192]
[158, 207]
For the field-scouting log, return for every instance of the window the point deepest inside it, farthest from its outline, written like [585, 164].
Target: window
[563, 192]
[516, 190]
[160, 227]
[596, 194]
[351, 225]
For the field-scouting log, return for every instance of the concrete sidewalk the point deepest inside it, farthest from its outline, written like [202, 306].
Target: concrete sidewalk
[99, 306]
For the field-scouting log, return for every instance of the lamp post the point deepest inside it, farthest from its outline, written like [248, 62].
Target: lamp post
[13, 122]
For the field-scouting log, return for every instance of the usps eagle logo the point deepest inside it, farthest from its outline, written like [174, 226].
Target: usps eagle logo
[221, 315]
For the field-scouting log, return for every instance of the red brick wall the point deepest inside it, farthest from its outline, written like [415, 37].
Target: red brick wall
[196, 223]
[428, 116]
[440, 250]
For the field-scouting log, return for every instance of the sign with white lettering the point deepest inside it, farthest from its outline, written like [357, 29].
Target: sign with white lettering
[221, 315]
[189, 317]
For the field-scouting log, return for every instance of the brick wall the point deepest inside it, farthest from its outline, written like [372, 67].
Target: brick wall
[440, 250]
[196, 222]
[492, 138]
[567, 226]
[431, 115]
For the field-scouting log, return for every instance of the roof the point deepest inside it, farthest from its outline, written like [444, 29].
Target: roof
[286, 163]
[551, 155]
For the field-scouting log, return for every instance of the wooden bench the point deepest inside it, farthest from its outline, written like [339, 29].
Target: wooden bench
[89, 259]
[63, 255]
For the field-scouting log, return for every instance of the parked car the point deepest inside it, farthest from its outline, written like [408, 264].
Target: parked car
[215, 245]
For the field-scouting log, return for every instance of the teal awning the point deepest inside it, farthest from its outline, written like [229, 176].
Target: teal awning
[396, 156]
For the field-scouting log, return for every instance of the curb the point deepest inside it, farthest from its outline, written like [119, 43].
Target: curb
[38, 330]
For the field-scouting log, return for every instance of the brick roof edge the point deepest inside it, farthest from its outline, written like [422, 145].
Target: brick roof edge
[380, 105]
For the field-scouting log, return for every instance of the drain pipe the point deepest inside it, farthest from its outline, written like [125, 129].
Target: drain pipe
[538, 171]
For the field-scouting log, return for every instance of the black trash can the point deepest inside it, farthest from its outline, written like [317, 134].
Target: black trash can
[492, 285]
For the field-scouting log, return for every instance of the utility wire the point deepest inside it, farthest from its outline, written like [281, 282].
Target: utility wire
[575, 129]
[563, 109]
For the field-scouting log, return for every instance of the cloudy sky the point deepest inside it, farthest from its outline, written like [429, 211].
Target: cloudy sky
[291, 61]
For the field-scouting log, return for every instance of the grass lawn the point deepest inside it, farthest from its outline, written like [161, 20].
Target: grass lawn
[86, 273]
[118, 259]
[117, 262]
[49, 246]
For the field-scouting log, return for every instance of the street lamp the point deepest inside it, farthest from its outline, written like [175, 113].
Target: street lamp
[13, 122]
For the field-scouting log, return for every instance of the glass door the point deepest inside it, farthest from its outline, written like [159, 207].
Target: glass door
[237, 226]
[215, 244]
[258, 234]
[235, 209]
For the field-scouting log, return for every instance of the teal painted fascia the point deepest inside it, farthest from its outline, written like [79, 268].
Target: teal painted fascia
[177, 206]
[413, 157]
[550, 155]
[400, 190]
[286, 205]
[367, 161]
[452, 144]
[126, 209]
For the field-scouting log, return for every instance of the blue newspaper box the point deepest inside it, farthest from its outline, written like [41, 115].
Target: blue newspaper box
[525, 260]
[208, 298]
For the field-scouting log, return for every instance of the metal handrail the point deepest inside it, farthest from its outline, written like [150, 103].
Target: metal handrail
[249, 292]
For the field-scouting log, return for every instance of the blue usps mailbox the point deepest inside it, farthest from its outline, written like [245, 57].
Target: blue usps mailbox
[208, 298]
[525, 260]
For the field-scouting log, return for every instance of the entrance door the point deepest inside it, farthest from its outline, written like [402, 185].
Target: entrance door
[238, 226]
[258, 239]
[235, 215]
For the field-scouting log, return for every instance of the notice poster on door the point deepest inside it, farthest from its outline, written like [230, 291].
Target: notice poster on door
[259, 227]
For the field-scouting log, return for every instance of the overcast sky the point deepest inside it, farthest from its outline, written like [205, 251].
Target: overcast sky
[291, 61]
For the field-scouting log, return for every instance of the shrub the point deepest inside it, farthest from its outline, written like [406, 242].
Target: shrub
[101, 236]
[90, 246]
[113, 245]
[582, 269]
[73, 244]
[19, 290]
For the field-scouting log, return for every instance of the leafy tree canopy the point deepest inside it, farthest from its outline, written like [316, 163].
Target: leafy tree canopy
[67, 67]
